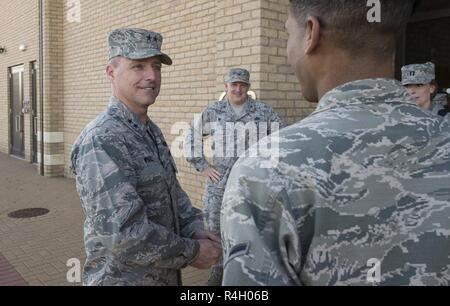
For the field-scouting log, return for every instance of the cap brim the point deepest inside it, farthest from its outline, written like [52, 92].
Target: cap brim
[238, 81]
[165, 59]
[413, 83]
[409, 83]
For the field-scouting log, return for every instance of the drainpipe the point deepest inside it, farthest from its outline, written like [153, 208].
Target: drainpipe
[41, 81]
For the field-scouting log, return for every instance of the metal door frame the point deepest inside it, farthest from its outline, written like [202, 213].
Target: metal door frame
[13, 121]
[33, 112]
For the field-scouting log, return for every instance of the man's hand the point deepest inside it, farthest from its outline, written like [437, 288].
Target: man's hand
[208, 236]
[208, 254]
[212, 174]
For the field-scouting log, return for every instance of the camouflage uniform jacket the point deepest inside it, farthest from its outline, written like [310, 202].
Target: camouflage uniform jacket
[138, 219]
[439, 103]
[365, 179]
[216, 117]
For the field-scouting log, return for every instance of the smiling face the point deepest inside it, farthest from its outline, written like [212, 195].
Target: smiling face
[421, 93]
[237, 92]
[135, 82]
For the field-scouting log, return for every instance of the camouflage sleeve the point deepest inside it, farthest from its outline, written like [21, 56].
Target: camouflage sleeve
[439, 103]
[261, 246]
[193, 144]
[191, 219]
[116, 221]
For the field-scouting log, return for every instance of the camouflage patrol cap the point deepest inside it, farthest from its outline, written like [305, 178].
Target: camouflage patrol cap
[418, 74]
[136, 44]
[238, 75]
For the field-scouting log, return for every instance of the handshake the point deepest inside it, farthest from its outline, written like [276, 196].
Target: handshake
[210, 250]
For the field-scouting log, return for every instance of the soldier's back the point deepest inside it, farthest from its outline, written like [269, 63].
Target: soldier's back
[380, 175]
[380, 193]
[363, 181]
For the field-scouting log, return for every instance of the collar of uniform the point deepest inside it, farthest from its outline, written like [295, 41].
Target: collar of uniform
[365, 91]
[153, 129]
[439, 102]
[249, 107]
[118, 110]
[440, 99]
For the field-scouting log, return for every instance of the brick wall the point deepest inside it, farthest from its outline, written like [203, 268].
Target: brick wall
[204, 38]
[279, 86]
[18, 25]
[53, 86]
[189, 34]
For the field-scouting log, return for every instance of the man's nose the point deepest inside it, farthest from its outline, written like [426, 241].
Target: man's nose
[150, 74]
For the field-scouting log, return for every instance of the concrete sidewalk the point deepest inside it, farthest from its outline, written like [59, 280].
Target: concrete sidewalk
[35, 251]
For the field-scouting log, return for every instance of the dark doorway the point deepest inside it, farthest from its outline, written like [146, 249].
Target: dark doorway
[427, 39]
[34, 118]
[16, 115]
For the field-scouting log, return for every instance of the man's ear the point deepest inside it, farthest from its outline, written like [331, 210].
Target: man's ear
[312, 34]
[110, 72]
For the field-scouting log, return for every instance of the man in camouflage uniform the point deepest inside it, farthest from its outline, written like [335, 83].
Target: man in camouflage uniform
[140, 227]
[234, 123]
[361, 192]
[420, 82]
